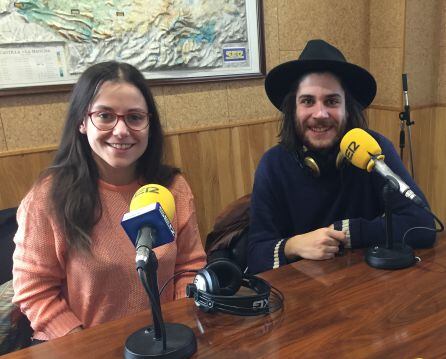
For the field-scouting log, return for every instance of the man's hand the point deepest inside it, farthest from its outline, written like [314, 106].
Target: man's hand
[323, 243]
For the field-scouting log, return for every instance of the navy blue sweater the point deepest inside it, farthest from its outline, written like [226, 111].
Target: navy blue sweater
[287, 200]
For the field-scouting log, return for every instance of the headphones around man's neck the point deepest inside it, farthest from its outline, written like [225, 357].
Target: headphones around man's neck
[318, 164]
[215, 288]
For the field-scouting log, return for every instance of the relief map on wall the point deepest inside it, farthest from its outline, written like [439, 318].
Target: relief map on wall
[56, 40]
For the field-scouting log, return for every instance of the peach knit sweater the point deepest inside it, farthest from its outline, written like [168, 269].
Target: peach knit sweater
[59, 291]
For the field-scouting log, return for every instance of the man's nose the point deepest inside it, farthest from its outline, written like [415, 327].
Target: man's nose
[320, 111]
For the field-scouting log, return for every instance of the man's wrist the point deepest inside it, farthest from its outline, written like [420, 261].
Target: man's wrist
[290, 251]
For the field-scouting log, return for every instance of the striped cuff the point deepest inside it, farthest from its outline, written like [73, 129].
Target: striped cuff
[279, 254]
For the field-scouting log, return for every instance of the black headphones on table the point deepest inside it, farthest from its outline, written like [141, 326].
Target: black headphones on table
[215, 287]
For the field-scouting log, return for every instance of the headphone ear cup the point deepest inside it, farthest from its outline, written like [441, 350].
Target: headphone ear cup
[311, 163]
[213, 286]
[207, 281]
[227, 274]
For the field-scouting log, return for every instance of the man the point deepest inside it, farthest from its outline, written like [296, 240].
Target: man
[307, 201]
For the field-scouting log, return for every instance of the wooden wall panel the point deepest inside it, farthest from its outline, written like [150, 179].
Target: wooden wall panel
[437, 163]
[423, 148]
[386, 122]
[18, 172]
[428, 148]
[219, 163]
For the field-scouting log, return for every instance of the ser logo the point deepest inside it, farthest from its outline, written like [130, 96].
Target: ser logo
[259, 304]
[153, 189]
[147, 189]
[351, 149]
[232, 54]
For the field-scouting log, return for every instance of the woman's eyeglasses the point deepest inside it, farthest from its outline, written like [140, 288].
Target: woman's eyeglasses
[107, 120]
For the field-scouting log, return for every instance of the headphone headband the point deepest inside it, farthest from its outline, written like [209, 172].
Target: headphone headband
[210, 291]
[317, 164]
[248, 305]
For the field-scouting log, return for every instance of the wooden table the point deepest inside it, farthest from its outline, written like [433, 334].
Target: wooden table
[340, 308]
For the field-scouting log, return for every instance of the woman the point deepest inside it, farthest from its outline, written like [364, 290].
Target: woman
[73, 263]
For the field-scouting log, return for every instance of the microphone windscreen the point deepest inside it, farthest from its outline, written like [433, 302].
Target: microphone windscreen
[152, 193]
[358, 147]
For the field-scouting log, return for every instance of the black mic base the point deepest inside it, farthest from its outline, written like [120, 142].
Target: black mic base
[180, 343]
[386, 258]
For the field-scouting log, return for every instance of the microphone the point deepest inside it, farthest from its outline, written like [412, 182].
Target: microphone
[406, 121]
[362, 150]
[148, 223]
[405, 92]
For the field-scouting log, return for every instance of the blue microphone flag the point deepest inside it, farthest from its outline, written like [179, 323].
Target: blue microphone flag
[152, 216]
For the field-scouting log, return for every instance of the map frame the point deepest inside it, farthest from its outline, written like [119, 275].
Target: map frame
[255, 47]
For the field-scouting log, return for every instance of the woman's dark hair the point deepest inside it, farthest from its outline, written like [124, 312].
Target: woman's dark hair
[74, 195]
[288, 134]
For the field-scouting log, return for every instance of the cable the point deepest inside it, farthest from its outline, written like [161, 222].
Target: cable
[279, 296]
[436, 230]
[174, 276]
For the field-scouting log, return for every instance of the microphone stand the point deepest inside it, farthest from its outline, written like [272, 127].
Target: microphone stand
[406, 121]
[161, 340]
[391, 256]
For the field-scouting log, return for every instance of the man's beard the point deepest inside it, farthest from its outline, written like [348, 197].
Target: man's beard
[340, 129]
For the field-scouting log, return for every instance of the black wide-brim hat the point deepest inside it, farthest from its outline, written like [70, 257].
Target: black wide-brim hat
[317, 56]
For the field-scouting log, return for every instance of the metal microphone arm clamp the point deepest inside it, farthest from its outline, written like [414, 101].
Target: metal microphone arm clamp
[405, 116]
